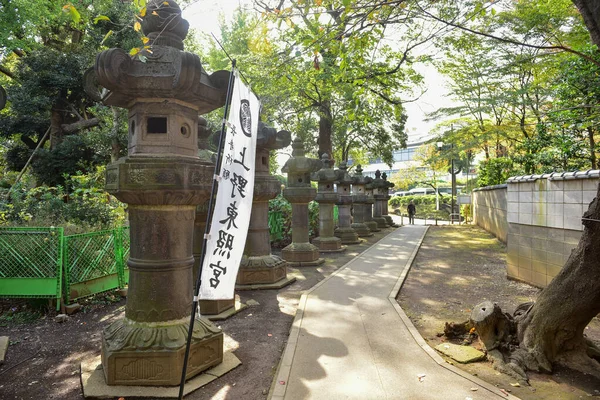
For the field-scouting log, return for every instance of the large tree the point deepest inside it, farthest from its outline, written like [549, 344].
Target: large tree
[45, 49]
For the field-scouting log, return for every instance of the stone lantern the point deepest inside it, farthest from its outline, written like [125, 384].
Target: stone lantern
[299, 192]
[259, 268]
[327, 197]
[344, 230]
[380, 194]
[369, 205]
[385, 212]
[162, 180]
[359, 200]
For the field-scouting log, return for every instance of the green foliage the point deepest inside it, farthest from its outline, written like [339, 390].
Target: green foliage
[495, 171]
[52, 168]
[81, 202]
[280, 204]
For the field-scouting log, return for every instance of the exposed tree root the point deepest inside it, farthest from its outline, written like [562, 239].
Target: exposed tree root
[593, 350]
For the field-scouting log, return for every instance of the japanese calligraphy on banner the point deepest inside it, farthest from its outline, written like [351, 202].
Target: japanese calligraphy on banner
[233, 204]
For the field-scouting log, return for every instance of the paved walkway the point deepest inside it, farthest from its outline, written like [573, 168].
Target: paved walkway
[351, 340]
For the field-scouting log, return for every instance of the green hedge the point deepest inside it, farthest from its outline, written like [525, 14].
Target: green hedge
[402, 201]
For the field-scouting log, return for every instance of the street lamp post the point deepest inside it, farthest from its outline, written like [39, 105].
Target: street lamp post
[453, 173]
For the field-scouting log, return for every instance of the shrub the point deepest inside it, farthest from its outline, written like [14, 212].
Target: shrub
[280, 204]
[81, 203]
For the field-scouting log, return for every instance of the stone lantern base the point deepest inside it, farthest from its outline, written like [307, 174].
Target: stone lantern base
[329, 244]
[372, 225]
[151, 354]
[390, 221]
[215, 307]
[381, 222]
[361, 229]
[302, 255]
[258, 270]
[347, 235]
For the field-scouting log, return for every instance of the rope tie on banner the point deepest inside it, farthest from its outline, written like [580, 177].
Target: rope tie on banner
[207, 236]
[217, 177]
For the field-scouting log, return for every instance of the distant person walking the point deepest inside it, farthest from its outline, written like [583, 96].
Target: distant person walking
[411, 212]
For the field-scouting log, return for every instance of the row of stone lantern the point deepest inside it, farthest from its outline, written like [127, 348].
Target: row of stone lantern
[366, 192]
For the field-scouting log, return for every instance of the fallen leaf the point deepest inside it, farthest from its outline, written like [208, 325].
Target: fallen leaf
[269, 334]
[474, 389]
[515, 384]
[282, 382]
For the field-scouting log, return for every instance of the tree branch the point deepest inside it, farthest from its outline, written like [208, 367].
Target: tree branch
[80, 125]
[7, 72]
[511, 41]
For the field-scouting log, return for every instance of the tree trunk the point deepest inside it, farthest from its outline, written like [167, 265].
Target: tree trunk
[56, 130]
[325, 128]
[590, 131]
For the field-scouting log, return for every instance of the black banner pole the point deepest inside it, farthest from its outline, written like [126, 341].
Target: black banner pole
[207, 229]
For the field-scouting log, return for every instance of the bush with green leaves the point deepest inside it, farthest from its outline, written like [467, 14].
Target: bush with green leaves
[80, 205]
[280, 204]
[495, 171]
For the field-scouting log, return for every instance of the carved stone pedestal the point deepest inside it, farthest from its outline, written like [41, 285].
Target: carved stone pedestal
[380, 195]
[259, 268]
[371, 224]
[344, 229]
[359, 201]
[327, 197]
[299, 192]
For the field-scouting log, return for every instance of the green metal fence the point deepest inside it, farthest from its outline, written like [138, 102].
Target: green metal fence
[35, 261]
[93, 263]
[31, 262]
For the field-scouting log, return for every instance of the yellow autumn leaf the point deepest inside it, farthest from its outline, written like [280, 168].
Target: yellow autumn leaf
[134, 51]
[154, 13]
[145, 39]
[319, 2]
[166, 3]
[143, 12]
[137, 26]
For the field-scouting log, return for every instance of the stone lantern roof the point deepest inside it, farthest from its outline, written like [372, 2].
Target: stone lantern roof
[326, 174]
[299, 167]
[271, 139]
[358, 178]
[389, 184]
[343, 177]
[167, 70]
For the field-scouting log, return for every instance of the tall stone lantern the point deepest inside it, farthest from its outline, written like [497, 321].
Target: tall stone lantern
[359, 200]
[344, 230]
[299, 192]
[260, 268]
[326, 197]
[162, 180]
[369, 205]
[388, 186]
[380, 194]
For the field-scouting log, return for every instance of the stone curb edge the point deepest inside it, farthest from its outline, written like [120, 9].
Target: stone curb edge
[277, 391]
[419, 339]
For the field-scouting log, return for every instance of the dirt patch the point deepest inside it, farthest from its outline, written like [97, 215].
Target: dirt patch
[458, 267]
[43, 358]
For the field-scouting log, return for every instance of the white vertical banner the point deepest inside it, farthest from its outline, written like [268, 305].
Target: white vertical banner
[233, 204]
